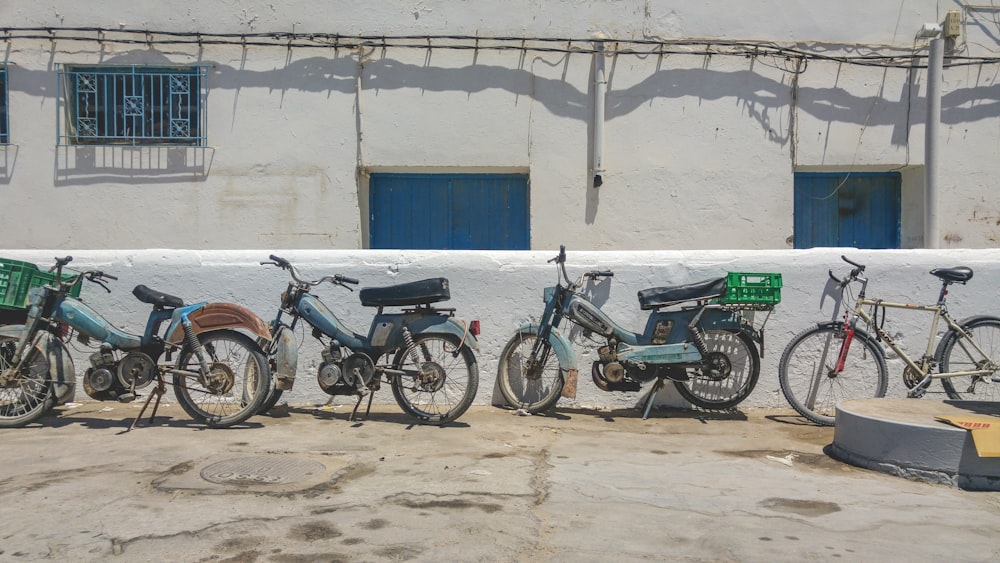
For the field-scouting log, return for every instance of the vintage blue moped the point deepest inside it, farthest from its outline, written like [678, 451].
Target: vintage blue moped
[429, 358]
[706, 344]
[220, 377]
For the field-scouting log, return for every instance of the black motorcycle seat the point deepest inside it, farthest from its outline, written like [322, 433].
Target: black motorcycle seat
[960, 274]
[420, 292]
[154, 297]
[656, 297]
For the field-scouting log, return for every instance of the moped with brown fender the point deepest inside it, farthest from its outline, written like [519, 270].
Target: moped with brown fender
[220, 376]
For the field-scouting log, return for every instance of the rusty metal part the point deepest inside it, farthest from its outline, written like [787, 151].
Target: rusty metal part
[217, 316]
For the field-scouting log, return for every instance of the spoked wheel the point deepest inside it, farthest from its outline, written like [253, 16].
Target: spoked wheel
[238, 382]
[957, 354]
[809, 379]
[728, 374]
[26, 396]
[441, 386]
[532, 384]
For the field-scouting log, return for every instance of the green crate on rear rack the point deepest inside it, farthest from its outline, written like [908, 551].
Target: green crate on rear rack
[752, 288]
[17, 277]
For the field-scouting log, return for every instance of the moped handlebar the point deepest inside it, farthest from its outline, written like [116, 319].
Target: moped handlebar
[600, 274]
[286, 265]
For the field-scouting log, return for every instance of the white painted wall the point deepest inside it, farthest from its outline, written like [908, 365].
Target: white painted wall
[700, 151]
[503, 289]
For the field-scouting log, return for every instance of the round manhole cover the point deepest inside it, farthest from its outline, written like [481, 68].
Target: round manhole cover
[262, 471]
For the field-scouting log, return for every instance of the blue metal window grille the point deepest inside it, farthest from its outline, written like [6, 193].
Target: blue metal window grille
[133, 105]
[4, 130]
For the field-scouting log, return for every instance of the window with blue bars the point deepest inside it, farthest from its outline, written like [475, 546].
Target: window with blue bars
[4, 131]
[132, 105]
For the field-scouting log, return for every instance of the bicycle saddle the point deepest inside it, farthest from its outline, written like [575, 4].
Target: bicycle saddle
[655, 297]
[960, 274]
[154, 297]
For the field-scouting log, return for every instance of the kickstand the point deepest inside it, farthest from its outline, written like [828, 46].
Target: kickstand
[157, 392]
[650, 396]
[368, 410]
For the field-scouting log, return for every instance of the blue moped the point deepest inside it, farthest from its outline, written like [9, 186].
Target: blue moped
[220, 378]
[708, 349]
[429, 356]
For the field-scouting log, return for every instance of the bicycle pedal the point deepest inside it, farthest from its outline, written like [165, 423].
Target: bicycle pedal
[916, 392]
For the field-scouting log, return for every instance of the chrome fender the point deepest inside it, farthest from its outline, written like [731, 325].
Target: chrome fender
[286, 359]
[218, 316]
[62, 373]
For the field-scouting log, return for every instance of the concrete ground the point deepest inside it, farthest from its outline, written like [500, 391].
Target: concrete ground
[577, 485]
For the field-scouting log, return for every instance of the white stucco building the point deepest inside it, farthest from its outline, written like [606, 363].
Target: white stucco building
[305, 123]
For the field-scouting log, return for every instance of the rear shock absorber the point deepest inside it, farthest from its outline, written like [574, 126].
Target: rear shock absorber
[195, 345]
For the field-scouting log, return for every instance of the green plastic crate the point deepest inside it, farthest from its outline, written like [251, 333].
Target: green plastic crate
[17, 277]
[752, 288]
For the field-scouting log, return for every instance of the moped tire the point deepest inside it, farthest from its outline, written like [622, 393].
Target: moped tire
[272, 398]
[29, 395]
[240, 383]
[733, 353]
[537, 392]
[452, 379]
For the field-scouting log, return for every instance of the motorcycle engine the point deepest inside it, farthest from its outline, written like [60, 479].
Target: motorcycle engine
[110, 379]
[350, 376]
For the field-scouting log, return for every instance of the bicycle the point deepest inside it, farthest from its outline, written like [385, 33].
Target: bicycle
[837, 361]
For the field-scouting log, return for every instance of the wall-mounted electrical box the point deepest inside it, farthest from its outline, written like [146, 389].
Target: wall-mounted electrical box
[952, 24]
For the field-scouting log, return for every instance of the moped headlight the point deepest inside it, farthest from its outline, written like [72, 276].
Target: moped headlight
[548, 294]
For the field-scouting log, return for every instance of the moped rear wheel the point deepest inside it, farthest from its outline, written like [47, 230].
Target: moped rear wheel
[444, 383]
[532, 385]
[27, 396]
[238, 383]
[729, 373]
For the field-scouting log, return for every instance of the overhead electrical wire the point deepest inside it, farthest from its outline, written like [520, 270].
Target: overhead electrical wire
[875, 55]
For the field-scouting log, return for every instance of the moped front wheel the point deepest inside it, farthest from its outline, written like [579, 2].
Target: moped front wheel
[532, 384]
[27, 394]
[444, 382]
[728, 374]
[237, 384]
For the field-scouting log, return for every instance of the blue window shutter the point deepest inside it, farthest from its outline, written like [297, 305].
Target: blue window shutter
[860, 209]
[449, 211]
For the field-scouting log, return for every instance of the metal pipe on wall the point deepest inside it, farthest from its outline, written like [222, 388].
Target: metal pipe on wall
[600, 87]
[935, 67]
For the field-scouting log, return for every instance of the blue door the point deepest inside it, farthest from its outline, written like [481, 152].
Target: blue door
[449, 211]
[859, 209]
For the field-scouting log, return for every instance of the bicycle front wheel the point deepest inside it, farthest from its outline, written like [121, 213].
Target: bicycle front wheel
[530, 383]
[810, 381]
[237, 384]
[27, 396]
[957, 354]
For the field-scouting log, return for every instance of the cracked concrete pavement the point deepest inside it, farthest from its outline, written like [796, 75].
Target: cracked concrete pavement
[592, 485]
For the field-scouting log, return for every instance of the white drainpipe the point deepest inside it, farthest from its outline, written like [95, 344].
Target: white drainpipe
[600, 86]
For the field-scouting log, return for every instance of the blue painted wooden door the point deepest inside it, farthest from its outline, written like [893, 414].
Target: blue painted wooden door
[860, 209]
[449, 211]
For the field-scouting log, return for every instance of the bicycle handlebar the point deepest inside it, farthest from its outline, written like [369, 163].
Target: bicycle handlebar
[855, 272]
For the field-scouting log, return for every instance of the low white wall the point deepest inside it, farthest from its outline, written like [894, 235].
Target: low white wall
[503, 289]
